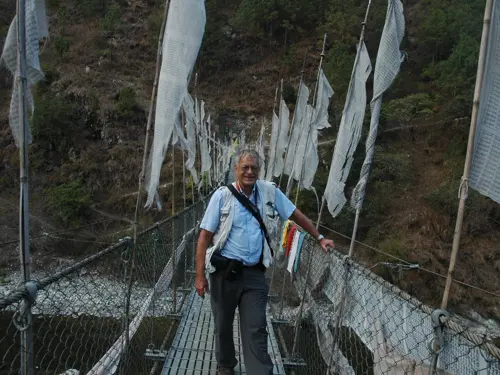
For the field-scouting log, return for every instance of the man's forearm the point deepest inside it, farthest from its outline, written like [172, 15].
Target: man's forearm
[304, 222]
[201, 250]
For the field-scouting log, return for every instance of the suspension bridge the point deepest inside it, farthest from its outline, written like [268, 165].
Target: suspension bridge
[130, 308]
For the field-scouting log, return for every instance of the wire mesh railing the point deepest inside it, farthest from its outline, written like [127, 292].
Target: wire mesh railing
[117, 312]
[334, 316]
[114, 311]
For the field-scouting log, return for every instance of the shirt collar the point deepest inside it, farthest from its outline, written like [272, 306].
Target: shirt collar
[238, 187]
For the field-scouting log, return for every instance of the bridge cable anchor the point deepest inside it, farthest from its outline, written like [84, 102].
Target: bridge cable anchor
[437, 343]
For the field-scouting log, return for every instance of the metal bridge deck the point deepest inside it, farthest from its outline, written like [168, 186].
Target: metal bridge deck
[193, 349]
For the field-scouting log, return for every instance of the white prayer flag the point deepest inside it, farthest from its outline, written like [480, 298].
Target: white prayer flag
[485, 167]
[349, 132]
[182, 40]
[389, 59]
[35, 28]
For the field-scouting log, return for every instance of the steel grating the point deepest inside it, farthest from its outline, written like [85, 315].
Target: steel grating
[193, 349]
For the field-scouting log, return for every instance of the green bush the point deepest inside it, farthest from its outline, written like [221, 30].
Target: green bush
[289, 95]
[91, 8]
[405, 110]
[270, 17]
[126, 102]
[56, 122]
[70, 203]
[61, 44]
[456, 75]
[393, 167]
[480, 214]
[106, 53]
[256, 17]
[53, 4]
[217, 50]
[338, 68]
[155, 20]
[51, 75]
[448, 43]
[393, 245]
[390, 175]
[344, 221]
[112, 19]
[62, 15]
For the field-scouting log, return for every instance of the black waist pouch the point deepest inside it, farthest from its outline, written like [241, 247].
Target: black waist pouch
[230, 267]
[219, 262]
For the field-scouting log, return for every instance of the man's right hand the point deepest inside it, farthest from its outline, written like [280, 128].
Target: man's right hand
[201, 285]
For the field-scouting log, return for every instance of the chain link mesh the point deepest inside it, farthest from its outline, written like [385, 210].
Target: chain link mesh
[114, 309]
[335, 317]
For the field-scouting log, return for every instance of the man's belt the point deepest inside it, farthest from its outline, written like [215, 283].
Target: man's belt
[231, 267]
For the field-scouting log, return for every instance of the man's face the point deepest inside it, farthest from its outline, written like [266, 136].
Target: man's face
[247, 170]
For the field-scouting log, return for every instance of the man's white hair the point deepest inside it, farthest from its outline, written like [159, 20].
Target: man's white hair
[248, 152]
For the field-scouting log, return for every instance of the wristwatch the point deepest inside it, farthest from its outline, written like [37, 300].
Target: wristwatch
[320, 237]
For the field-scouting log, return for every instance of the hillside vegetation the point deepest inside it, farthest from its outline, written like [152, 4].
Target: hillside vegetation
[89, 122]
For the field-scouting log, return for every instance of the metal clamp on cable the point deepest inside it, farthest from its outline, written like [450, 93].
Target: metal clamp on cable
[128, 239]
[125, 254]
[32, 289]
[437, 343]
[20, 318]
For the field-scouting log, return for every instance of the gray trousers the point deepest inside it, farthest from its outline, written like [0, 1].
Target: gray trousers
[249, 293]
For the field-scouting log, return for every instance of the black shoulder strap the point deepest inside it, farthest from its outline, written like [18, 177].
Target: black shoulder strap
[253, 210]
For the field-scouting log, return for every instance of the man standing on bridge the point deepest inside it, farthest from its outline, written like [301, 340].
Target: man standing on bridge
[234, 246]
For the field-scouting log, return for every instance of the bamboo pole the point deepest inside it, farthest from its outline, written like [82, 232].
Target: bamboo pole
[150, 118]
[184, 197]
[280, 114]
[468, 158]
[197, 155]
[27, 365]
[322, 56]
[271, 162]
[293, 118]
[174, 250]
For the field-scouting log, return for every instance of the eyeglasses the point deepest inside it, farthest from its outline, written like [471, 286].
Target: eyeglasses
[246, 168]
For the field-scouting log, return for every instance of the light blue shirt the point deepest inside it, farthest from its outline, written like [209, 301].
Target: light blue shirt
[245, 239]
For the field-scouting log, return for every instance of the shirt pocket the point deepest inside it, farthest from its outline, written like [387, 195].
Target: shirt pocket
[224, 213]
[271, 217]
[270, 211]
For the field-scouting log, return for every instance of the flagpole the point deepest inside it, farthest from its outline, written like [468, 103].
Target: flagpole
[214, 157]
[150, 117]
[280, 114]
[24, 227]
[358, 210]
[293, 119]
[314, 104]
[197, 129]
[270, 146]
[183, 124]
[23, 147]
[323, 200]
[464, 186]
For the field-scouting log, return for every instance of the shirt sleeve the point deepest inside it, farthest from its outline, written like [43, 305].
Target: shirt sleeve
[211, 218]
[284, 206]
